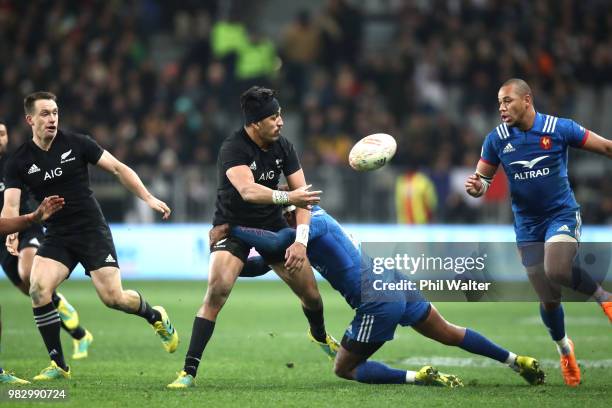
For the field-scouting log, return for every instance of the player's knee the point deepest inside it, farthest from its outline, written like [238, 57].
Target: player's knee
[342, 371]
[558, 273]
[218, 291]
[40, 292]
[112, 299]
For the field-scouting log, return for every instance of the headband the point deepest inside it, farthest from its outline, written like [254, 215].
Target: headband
[255, 115]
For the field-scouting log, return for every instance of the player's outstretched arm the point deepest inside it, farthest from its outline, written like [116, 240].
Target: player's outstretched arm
[478, 183]
[48, 207]
[296, 253]
[132, 182]
[12, 200]
[597, 144]
[242, 179]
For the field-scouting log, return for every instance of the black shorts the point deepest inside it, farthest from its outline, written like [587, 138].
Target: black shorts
[94, 248]
[29, 238]
[234, 246]
[240, 250]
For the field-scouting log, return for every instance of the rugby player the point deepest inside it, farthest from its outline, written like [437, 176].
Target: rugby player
[16, 260]
[340, 260]
[249, 166]
[532, 147]
[56, 162]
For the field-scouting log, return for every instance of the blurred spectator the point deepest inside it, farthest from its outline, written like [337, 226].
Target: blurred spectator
[157, 84]
[300, 47]
[415, 198]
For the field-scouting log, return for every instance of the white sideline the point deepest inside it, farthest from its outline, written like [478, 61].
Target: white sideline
[440, 361]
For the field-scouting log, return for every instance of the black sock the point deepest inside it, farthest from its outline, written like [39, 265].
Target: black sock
[317, 323]
[48, 321]
[200, 334]
[583, 282]
[145, 310]
[77, 333]
[55, 299]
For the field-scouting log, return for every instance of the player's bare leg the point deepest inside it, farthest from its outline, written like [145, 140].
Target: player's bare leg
[304, 285]
[107, 281]
[47, 274]
[224, 269]
[559, 253]
[82, 338]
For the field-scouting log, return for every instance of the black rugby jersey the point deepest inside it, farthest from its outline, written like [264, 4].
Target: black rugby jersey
[63, 171]
[266, 165]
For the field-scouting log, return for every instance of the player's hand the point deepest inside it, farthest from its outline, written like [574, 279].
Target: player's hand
[295, 256]
[49, 206]
[473, 185]
[301, 197]
[159, 206]
[12, 243]
[217, 233]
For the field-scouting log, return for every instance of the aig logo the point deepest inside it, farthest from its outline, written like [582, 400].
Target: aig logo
[53, 173]
[266, 176]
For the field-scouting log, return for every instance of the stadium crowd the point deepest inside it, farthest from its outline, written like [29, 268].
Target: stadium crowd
[157, 84]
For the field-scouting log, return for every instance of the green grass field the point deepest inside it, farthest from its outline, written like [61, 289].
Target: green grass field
[262, 330]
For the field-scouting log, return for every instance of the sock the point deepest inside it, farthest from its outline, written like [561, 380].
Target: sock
[200, 334]
[55, 299]
[583, 282]
[601, 295]
[76, 334]
[147, 312]
[317, 324]
[48, 321]
[373, 372]
[511, 361]
[411, 377]
[554, 320]
[563, 346]
[476, 343]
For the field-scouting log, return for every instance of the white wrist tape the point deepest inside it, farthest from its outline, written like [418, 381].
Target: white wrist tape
[301, 234]
[280, 197]
[486, 183]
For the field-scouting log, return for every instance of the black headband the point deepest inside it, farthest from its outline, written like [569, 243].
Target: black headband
[255, 115]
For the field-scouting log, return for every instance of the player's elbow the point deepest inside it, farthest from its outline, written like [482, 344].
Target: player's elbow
[247, 193]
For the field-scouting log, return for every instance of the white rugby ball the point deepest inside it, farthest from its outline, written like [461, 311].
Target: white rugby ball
[372, 152]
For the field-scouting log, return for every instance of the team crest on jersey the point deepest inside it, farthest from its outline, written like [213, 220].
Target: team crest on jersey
[545, 142]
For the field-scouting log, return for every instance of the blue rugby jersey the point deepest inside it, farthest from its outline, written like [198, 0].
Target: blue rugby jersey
[535, 162]
[331, 251]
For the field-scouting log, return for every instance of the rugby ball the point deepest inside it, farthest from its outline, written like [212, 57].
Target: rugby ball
[372, 152]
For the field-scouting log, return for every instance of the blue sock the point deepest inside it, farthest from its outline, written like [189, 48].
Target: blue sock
[554, 321]
[476, 343]
[373, 372]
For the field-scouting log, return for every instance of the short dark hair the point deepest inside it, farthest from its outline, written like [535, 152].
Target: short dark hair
[30, 100]
[521, 86]
[255, 97]
[2, 121]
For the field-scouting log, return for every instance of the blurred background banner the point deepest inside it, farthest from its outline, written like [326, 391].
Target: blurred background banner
[181, 251]
[157, 82]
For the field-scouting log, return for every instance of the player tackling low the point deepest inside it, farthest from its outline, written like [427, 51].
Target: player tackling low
[533, 149]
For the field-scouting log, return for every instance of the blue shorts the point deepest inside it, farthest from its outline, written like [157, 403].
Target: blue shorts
[376, 321]
[530, 237]
[564, 222]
